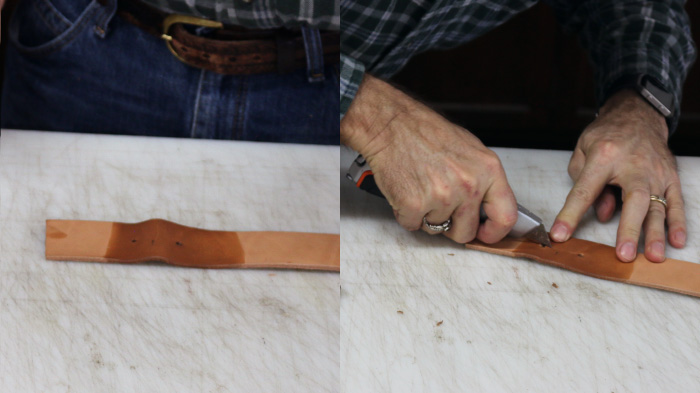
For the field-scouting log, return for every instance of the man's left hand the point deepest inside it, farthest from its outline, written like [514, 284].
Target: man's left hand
[626, 147]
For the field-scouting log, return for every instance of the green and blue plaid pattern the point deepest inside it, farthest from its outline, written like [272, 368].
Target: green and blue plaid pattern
[259, 14]
[622, 37]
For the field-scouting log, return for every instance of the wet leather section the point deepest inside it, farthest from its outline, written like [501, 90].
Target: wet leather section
[164, 241]
[599, 261]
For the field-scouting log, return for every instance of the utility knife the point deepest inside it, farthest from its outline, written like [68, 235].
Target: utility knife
[529, 225]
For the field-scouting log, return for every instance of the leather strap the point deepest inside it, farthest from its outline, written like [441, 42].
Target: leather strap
[599, 260]
[165, 241]
[232, 50]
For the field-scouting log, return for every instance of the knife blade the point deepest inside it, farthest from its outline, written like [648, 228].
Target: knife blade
[529, 225]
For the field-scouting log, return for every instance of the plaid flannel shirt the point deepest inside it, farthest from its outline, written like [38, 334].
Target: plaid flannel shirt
[623, 38]
[259, 14]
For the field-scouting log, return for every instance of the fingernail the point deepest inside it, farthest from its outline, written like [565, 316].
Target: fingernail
[679, 236]
[657, 248]
[602, 207]
[559, 233]
[627, 251]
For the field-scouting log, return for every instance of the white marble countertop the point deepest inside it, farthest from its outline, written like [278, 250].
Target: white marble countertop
[86, 327]
[423, 314]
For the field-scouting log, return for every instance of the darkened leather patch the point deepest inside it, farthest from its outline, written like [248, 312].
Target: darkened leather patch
[164, 241]
[600, 261]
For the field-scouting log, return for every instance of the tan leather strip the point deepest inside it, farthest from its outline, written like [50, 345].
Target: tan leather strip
[168, 242]
[599, 260]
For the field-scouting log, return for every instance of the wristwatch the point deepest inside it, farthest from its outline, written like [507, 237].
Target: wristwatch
[652, 91]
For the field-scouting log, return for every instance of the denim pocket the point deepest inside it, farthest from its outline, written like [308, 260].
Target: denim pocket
[40, 27]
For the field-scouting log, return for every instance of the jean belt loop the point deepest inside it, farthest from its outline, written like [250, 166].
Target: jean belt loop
[314, 54]
[109, 9]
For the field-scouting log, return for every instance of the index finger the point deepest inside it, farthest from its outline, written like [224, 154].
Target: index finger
[588, 186]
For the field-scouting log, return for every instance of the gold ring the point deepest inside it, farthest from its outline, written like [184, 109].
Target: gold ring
[662, 200]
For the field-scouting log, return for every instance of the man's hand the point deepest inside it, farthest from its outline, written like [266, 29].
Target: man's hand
[427, 166]
[626, 146]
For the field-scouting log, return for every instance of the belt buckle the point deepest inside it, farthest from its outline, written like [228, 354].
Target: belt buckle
[184, 19]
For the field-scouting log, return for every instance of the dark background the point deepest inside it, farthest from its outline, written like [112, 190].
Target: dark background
[525, 84]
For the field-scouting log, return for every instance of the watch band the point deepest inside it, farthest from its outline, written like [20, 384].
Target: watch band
[165, 241]
[599, 260]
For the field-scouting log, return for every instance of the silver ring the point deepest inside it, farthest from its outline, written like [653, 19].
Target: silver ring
[444, 227]
[662, 200]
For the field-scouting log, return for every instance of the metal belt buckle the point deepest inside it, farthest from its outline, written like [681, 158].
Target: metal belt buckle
[188, 20]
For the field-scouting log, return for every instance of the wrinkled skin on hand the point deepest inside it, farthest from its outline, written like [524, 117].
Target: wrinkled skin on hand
[626, 147]
[427, 166]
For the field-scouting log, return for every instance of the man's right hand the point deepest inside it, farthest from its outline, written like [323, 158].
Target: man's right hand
[427, 166]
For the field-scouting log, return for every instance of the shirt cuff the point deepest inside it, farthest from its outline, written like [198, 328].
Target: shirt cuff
[351, 74]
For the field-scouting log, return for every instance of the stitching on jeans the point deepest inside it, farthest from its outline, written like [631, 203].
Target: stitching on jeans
[52, 26]
[59, 13]
[314, 54]
[193, 129]
[61, 40]
[107, 16]
[240, 100]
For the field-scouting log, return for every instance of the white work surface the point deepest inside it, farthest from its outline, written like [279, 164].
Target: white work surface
[90, 327]
[520, 333]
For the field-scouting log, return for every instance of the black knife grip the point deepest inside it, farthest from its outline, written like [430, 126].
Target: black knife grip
[368, 184]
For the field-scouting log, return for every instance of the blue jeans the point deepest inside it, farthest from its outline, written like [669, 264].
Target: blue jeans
[73, 65]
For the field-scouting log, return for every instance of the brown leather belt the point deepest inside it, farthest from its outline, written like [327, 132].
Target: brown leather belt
[165, 241]
[230, 50]
[598, 260]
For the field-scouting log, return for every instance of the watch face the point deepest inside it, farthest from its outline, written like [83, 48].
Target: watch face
[660, 98]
